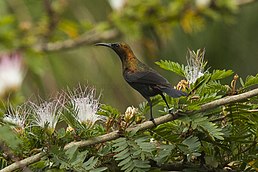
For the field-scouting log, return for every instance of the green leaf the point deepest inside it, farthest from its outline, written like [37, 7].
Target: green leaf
[80, 158]
[122, 155]
[202, 122]
[99, 169]
[192, 143]
[71, 151]
[88, 165]
[108, 111]
[128, 165]
[119, 142]
[125, 161]
[130, 168]
[121, 147]
[251, 80]
[9, 137]
[141, 164]
[220, 74]
[241, 82]
[164, 153]
[172, 66]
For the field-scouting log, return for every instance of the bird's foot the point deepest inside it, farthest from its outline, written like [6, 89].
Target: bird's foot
[173, 111]
[153, 121]
[176, 112]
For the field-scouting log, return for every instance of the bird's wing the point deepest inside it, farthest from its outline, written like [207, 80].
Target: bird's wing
[146, 77]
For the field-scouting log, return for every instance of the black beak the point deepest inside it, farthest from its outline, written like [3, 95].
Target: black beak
[104, 44]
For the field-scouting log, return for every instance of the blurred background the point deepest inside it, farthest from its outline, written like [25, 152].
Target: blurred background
[48, 45]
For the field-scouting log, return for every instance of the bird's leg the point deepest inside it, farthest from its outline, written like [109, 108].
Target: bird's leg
[151, 116]
[164, 98]
[171, 111]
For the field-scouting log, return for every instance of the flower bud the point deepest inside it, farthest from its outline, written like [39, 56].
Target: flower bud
[130, 113]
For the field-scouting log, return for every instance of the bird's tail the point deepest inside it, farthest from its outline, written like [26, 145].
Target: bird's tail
[173, 92]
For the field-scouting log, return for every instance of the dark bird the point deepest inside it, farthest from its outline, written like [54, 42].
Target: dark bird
[141, 77]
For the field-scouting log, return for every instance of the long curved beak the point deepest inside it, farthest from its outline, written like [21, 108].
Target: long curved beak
[104, 44]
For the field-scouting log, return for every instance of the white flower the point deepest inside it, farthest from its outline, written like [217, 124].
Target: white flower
[11, 72]
[17, 117]
[86, 105]
[46, 115]
[195, 65]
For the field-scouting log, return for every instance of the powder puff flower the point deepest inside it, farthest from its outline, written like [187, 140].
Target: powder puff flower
[86, 104]
[11, 72]
[195, 65]
[46, 115]
[17, 117]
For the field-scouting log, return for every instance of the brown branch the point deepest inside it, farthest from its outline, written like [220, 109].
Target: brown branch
[146, 125]
[23, 163]
[52, 18]
[89, 38]
[229, 99]
[116, 134]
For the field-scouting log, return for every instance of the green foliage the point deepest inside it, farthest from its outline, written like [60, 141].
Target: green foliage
[9, 137]
[191, 146]
[3, 162]
[172, 66]
[226, 135]
[108, 111]
[202, 123]
[221, 74]
[132, 154]
[73, 159]
[250, 81]
[218, 137]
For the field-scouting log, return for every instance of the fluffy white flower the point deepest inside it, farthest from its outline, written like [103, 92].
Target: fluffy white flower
[86, 105]
[11, 72]
[46, 115]
[195, 65]
[17, 117]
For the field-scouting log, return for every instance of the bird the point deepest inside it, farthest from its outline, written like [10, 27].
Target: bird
[141, 77]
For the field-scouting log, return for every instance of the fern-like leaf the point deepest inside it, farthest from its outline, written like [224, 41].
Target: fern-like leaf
[133, 154]
[172, 66]
[201, 122]
[221, 74]
[251, 80]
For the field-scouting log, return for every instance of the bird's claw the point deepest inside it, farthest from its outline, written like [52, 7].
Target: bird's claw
[153, 121]
[173, 111]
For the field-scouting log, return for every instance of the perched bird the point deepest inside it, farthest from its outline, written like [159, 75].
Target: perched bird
[141, 77]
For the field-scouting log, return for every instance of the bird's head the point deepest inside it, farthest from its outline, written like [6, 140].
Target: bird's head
[123, 50]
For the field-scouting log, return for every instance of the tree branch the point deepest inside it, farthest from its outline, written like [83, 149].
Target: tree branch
[23, 163]
[52, 18]
[229, 99]
[89, 37]
[146, 125]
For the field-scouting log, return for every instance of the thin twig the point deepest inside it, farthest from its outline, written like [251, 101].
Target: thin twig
[146, 125]
[87, 38]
